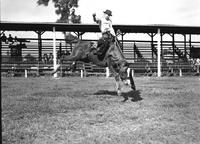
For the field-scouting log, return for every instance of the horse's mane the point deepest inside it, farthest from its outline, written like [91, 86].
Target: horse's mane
[116, 51]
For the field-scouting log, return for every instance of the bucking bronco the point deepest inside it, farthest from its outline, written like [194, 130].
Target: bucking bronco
[85, 51]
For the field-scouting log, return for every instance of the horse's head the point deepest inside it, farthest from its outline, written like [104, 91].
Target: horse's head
[125, 74]
[118, 60]
[123, 67]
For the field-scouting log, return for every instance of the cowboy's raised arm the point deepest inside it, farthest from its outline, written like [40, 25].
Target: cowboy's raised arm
[95, 19]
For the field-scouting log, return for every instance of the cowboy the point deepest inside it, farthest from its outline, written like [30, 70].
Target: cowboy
[105, 25]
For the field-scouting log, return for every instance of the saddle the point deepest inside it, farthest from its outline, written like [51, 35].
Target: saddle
[103, 45]
[106, 51]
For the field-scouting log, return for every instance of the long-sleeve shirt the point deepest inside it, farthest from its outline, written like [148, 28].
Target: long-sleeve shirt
[105, 25]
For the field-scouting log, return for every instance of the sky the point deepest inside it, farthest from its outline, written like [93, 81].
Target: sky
[175, 12]
[128, 12]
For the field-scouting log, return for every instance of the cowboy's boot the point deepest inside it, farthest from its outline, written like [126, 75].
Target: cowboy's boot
[99, 45]
[102, 51]
[99, 52]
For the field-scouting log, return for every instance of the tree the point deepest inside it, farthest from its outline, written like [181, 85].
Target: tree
[63, 8]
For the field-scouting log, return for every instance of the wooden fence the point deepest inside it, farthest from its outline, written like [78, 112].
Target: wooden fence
[169, 61]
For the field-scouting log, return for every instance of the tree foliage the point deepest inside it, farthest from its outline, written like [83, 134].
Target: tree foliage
[63, 8]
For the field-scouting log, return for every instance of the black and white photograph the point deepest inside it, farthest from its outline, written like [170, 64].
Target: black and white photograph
[100, 71]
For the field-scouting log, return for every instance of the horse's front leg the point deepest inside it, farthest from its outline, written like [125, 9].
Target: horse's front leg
[118, 86]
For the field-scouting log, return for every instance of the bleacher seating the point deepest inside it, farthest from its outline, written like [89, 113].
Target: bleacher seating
[138, 63]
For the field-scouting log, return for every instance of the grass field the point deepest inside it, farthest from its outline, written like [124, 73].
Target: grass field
[72, 110]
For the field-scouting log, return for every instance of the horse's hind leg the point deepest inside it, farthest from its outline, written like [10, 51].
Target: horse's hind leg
[74, 57]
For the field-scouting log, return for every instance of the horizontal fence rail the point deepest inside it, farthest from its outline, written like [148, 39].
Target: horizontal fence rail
[29, 55]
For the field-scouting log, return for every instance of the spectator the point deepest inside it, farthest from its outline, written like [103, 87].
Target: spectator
[148, 70]
[50, 57]
[10, 39]
[4, 38]
[73, 18]
[67, 52]
[198, 65]
[45, 58]
[16, 39]
[8, 53]
[29, 58]
[59, 54]
[198, 61]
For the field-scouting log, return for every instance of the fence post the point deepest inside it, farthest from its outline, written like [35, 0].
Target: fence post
[107, 72]
[54, 52]
[158, 53]
[180, 72]
[198, 66]
[26, 73]
[81, 73]
[38, 69]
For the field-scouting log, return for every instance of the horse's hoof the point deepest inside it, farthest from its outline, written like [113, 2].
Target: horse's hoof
[53, 72]
[119, 93]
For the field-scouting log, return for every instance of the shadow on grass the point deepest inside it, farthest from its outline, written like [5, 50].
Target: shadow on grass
[134, 95]
[106, 92]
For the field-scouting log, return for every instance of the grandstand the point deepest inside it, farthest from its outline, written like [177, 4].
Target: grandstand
[142, 54]
[136, 52]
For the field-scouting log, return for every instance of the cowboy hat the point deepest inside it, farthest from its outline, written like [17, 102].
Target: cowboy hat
[108, 12]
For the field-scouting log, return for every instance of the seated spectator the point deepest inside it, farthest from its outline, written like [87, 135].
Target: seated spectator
[67, 52]
[198, 65]
[59, 54]
[45, 58]
[148, 70]
[10, 39]
[29, 58]
[8, 53]
[198, 61]
[4, 38]
[50, 57]
[16, 40]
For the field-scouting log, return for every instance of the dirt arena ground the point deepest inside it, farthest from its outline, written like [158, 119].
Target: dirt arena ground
[74, 110]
